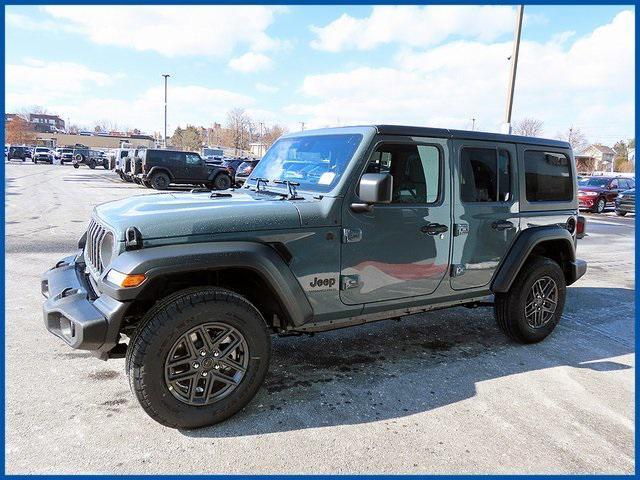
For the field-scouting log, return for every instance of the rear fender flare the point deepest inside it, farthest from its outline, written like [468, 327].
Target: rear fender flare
[155, 170]
[521, 249]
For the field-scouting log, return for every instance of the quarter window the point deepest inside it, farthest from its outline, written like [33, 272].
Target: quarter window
[547, 176]
[415, 170]
[485, 175]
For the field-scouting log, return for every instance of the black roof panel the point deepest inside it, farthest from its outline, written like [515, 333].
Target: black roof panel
[467, 135]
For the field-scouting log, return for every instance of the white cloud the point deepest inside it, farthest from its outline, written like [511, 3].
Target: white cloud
[414, 26]
[264, 88]
[170, 30]
[250, 62]
[73, 91]
[589, 81]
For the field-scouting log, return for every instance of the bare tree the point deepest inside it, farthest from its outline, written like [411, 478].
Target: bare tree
[272, 133]
[575, 138]
[239, 128]
[528, 127]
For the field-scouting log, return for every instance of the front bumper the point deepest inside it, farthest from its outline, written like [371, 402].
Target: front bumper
[72, 311]
[586, 202]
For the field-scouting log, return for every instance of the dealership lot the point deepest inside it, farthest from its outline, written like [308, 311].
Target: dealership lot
[439, 393]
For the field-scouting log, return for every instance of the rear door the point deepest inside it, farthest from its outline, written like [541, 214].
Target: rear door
[486, 219]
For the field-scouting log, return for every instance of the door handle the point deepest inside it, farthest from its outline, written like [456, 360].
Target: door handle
[434, 229]
[502, 225]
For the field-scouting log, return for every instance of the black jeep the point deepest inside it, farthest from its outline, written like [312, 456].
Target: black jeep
[160, 168]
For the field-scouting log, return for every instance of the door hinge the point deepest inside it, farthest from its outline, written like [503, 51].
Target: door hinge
[460, 229]
[348, 282]
[351, 236]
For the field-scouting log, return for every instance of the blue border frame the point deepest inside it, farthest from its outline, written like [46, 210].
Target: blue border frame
[288, 2]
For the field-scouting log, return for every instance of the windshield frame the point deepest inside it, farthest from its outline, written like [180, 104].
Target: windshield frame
[367, 134]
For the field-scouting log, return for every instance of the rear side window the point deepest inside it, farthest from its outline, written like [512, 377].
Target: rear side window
[485, 175]
[547, 176]
[193, 159]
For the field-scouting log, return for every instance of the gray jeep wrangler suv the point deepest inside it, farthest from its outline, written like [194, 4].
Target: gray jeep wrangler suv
[334, 228]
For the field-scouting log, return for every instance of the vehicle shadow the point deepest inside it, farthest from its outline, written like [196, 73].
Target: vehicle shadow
[390, 370]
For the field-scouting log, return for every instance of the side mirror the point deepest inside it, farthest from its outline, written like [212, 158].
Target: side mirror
[374, 188]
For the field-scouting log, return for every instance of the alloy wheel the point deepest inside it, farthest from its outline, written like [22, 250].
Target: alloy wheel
[206, 364]
[542, 301]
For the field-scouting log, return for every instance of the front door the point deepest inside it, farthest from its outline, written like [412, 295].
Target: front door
[196, 168]
[485, 210]
[399, 250]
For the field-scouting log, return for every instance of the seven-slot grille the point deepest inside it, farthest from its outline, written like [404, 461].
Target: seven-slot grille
[95, 234]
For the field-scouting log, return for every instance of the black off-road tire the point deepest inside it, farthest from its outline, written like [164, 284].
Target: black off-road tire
[509, 308]
[222, 181]
[105, 164]
[92, 164]
[620, 213]
[164, 324]
[160, 181]
[146, 183]
[76, 165]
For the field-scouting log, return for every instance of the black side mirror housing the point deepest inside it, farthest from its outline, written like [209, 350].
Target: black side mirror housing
[374, 188]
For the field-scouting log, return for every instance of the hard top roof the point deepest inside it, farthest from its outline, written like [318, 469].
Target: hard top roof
[467, 135]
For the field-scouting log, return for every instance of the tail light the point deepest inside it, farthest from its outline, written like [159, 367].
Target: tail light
[581, 227]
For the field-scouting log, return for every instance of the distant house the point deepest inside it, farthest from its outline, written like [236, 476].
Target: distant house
[43, 122]
[595, 157]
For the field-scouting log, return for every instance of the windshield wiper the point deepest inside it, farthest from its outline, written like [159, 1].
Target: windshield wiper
[260, 180]
[291, 186]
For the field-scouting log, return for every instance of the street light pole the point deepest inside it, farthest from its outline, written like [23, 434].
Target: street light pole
[514, 67]
[165, 75]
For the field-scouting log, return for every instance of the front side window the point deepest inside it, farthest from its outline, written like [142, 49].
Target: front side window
[548, 177]
[415, 170]
[485, 175]
[316, 162]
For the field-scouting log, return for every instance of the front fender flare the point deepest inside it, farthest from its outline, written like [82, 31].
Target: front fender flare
[265, 261]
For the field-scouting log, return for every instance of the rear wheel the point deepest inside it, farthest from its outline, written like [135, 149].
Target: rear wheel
[160, 181]
[105, 164]
[76, 165]
[620, 213]
[92, 164]
[532, 307]
[198, 357]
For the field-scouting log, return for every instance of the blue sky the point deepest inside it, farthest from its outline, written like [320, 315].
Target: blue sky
[325, 65]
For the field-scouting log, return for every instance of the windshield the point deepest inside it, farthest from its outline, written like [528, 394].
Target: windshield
[593, 182]
[315, 162]
[41, 149]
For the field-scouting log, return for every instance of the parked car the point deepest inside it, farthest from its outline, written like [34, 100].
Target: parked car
[19, 153]
[160, 168]
[89, 157]
[626, 202]
[43, 154]
[381, 221]
[212, 155]
[595, 193]
[123, 159]
[135, 166]
[244, 170]
[64, 154]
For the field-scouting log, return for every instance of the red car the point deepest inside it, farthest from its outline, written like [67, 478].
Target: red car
[598, 192]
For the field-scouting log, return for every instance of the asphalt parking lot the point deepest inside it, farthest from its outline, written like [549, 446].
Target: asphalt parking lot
[439, 393]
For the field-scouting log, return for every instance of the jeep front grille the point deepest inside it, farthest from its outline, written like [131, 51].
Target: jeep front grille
[95, 234]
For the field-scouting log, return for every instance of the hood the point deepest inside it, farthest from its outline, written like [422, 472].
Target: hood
[590, 188]
[184, 214]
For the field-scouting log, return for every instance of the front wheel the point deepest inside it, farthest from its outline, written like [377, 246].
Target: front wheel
[532, 307]
[92, 164]
[76, 165]
[105, 164]
[600, 205]
[198, 357]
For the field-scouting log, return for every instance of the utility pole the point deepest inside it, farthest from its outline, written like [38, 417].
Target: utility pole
[165, 75]
[262, 145]
[473, 124]
[302, 126]
[514, 67]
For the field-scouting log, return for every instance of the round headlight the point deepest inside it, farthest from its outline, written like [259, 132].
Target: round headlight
[106, 249]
